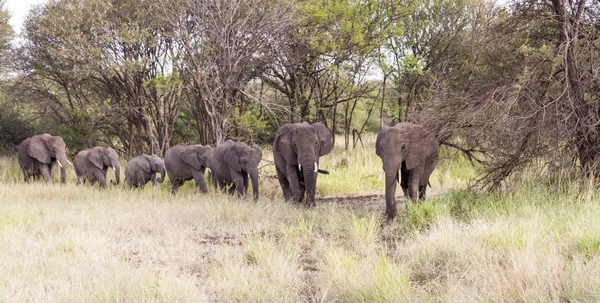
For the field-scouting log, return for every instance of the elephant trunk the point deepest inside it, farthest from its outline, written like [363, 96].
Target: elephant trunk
[61, 160]
[117, 168]
[162, 174]
[310, 183]
[253, 173]
[390, 194]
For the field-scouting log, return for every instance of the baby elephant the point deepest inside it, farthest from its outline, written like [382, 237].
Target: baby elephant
[232, 163]
[142, 169]
[91, 165]
[184, 162]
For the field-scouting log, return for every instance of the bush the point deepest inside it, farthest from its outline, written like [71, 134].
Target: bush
[14, 128]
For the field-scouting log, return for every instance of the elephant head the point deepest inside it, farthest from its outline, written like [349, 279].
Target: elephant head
[243, 158]
[301, 145]
[48, 149]
[157, 166]
[408, 147]
[197, 155]
[103, 157]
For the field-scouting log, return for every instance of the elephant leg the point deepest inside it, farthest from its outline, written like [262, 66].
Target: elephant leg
[101, 178]
[285, 185]
[175, 185]
[200, 181]
[294, 182]
[45, 172]
[238, 182]
[429, 167]
[51, 171]
[422, 192]
[153, 179]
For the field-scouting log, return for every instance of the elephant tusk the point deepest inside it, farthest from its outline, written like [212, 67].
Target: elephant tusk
[316, 167]
[114, 168]
[210, 171]
[59, 163]
[300, 166]
[380, 174]
[69, 162]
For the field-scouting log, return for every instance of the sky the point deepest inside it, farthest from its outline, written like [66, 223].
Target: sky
[18, 11]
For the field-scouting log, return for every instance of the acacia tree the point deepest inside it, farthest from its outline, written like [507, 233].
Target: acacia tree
[323, 64]
[225, 42]
[109, 66]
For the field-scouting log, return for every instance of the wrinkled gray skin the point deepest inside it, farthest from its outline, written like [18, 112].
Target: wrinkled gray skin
[185, 162]
[409, 154]
[38, 155]
[296, 152]
[91, 165]
[232, 163]
[140, 170]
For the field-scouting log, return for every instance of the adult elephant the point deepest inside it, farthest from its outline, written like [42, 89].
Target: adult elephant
[409, 153]
[38, 155]
[232, 163]
[143, 169]
[91, 165]
[296, 152]
[185, 162]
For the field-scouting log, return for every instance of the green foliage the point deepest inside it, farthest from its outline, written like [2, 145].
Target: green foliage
[14, 128]
[253, 126]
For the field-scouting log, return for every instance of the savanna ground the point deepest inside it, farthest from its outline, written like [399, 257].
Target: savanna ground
[69, 243]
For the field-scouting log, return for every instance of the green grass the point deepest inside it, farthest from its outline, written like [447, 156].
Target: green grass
[66, 243]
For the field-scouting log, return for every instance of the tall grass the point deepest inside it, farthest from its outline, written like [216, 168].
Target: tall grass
[69, 243]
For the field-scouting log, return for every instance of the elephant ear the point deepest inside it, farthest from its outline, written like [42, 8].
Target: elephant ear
[283, 144]
[190, 157]
[378, 143]
[38, 149]
[113, 156]
[258, 151]
[232, 158]
[418, 149]
[326, 142]
[144, 163]
[95, 156]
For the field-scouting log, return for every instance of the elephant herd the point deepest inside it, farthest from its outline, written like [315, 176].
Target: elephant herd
[409, 153]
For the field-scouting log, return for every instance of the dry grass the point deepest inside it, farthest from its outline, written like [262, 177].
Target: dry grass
[68, 243]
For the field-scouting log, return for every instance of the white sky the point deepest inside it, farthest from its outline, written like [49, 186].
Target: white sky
[18, 11]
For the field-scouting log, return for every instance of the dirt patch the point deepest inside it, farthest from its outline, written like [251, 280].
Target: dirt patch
[374, 202]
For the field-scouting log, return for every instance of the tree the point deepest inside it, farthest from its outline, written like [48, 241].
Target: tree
[528, 98]
[109, 67]
[225, 42]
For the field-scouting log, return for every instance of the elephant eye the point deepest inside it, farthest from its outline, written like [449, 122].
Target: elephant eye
[403, 146]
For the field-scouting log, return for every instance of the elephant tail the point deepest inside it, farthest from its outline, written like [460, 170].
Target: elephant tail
[429, 183]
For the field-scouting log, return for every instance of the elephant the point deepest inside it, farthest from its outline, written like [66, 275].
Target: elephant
[91, 165]
[296, 151]
[38, 155]
[184, 162]
[232, 163]
[140, 170]
[409, 153]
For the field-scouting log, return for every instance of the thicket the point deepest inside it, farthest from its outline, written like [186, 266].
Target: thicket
[514, 86]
